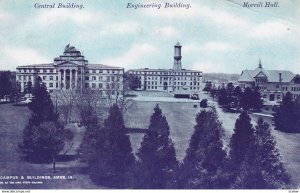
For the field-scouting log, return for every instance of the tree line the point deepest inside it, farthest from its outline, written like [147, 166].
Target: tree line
[233, 98]
[253, 161]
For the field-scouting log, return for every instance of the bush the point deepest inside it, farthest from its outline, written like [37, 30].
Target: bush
[203, 103]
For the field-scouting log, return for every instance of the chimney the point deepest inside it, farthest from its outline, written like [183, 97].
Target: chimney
[280, 78]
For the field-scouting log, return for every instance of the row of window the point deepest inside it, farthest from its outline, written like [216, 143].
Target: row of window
[102, 78]
[170, 83]
[295, 89]
[166, 73]
[155, 87]
[30, 70]
[102, 86]
[262, 80]
[171, 78]
[105, 71]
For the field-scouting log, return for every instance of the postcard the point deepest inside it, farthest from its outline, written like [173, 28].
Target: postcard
[149, 94]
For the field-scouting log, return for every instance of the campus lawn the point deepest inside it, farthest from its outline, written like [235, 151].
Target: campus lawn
[181, 119]
[12, 121]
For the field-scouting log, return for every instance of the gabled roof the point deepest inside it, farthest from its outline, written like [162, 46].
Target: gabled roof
[67, 62]
[272, 75]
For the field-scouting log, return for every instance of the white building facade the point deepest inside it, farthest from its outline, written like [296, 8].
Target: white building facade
[273, 84]
[176, 80]
[71, 71]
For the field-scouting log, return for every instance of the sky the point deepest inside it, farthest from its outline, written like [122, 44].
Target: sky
[216, 35]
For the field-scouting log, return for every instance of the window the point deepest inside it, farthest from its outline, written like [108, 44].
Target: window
[112, 79]
[93, 85]
[86, 85]
[100, 78]
[51, 85]
[108, 79]
[101, 71]
[86, 78]
[24, 70]
[51, 70]
[19, 77]
[100, 85]
[50, 77]
[44, 77]
[93, 71]
[44, 71]
[93, 77]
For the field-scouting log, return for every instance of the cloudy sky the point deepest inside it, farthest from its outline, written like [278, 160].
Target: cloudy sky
[216, 35]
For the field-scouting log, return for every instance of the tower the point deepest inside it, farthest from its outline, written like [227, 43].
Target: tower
[259, 64]
[177, 57]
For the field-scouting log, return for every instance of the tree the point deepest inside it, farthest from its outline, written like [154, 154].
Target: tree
[208, 86]
[44, 142]
[238, 96]
[112, 161]
[241, 143]
[5, 83]
[265, 170]
[16, 92]
[203, 103]
[156, 156]
[247, 99]
[28, 88]
[256, 100]
[213, 93]
[222, 97]
[88, 119]
[132, 81]
[203, 166]
[43, 136]
[287, 115]
[41, 105]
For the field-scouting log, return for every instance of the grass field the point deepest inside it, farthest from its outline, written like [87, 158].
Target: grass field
[181, 119]
[12, 121]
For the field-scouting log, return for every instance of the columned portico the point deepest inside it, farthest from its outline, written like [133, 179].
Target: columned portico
[67, 78]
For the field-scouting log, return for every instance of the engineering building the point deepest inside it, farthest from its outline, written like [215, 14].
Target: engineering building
[71, 71]
[176, 80]
[273, 84]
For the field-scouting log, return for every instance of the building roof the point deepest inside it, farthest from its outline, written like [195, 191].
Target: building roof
[36, 66]
[163, 70]
[178, 44]
[100, 66]
[272, 75]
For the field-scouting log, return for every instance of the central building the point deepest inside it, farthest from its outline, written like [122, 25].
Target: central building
[71, 71]
[176, 80]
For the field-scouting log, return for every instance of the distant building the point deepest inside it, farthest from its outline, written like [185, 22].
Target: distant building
[72, 71]
[176, 80]
[273, 84]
